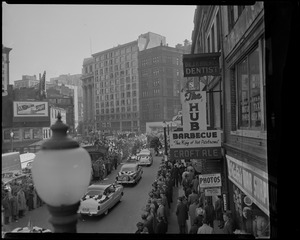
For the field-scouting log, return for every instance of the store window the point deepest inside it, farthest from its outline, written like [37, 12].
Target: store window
[37, 133]
[27, 134]
[249, 80]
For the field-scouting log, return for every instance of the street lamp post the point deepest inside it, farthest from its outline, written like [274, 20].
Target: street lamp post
[165, 137]
[61, 174]
[12, 140]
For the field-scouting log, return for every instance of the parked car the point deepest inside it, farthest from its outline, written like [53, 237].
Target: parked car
[130, 173]
[100, 198]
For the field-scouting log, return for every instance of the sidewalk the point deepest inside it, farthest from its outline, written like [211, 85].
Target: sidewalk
[173, 225]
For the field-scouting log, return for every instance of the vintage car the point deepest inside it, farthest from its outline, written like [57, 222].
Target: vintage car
[132, 159]
[130, 173]
[145, 158]
[100, 198]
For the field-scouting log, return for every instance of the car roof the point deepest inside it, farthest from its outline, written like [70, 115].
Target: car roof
[130, 165]
[98, 186]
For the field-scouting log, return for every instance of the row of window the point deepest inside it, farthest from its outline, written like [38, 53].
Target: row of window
[23, 134]
[131, 72]
[117, 103]
[116, 110]
[117, 53]
[133, 115]
[156, 60]
[117, 67]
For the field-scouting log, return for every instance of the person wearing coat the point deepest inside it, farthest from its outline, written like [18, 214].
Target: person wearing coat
[160, 226]
[209, 213]
[7, 208]
[182, 215]
[21, 202]
[192, 211]
[14, 207]
[30, 198]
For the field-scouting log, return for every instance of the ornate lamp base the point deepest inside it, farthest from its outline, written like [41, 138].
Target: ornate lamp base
[64, 218]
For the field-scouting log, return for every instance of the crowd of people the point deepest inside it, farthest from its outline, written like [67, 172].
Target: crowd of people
[192, 206]
[155, 216]
[18, 198]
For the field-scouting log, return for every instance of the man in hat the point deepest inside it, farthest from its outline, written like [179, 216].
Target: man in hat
[182, 215]
[140, 227]
[228, 225]
[205, 228]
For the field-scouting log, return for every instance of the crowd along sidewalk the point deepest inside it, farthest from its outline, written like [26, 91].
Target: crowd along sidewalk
[173, 227]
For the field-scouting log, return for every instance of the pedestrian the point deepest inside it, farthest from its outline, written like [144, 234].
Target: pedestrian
[195, 184]
[228, 224]
[205, 228]
[30, 198]
[7, 207]
[193, 197]
[147, 223]
[209, 212]
[219, 211]
[115, 162]
[192, 211]
[14, 207]
[195, 226]
[182, 215]
[176, 174]
[161, 226]
[140, 227]
[34, 198]
[21, 202]
[185, 184]
[150, 220]
[161, 211]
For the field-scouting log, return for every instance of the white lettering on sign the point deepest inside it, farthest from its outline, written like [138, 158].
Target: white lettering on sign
[247, 180]
[260, 190]
[210, 180]
[194, 111]
[250, 180]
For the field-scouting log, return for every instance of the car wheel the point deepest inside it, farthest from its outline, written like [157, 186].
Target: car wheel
[106, 212]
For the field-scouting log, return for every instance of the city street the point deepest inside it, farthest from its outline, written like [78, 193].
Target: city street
[122, 218]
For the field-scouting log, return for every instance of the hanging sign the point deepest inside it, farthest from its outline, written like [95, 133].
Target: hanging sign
[212, 192]
[210, 180]
[203, 64]
[194, 110]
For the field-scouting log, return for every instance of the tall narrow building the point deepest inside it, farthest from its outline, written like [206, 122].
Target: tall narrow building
[161, 79]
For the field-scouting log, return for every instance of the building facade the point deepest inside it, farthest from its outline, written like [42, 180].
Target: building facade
[5, 69]
[160, 83]
[72, 81]
[236, 104]
[26, 82]
[111, 86]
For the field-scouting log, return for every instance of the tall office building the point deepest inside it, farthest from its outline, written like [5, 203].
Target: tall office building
[161, 79]
[111, 86]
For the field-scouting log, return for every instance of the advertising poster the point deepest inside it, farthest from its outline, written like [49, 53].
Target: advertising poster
[30, 109]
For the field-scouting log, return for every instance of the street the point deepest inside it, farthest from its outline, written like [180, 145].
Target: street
[122, 218]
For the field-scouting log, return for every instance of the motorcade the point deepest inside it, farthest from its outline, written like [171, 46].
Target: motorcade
[132, 159]
[145, 158]
[99, 198]
[130, 173]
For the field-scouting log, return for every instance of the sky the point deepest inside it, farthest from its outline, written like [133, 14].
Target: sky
[56, 38]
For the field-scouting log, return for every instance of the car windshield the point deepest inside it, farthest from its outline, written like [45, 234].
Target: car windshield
[127, 169]
[95, 192]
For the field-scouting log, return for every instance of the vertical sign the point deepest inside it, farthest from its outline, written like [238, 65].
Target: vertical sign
[194, 110]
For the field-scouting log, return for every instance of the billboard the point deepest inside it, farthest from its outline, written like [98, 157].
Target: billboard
[30, 109]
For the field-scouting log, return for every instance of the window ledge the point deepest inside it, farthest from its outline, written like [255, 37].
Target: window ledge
[250, 133]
